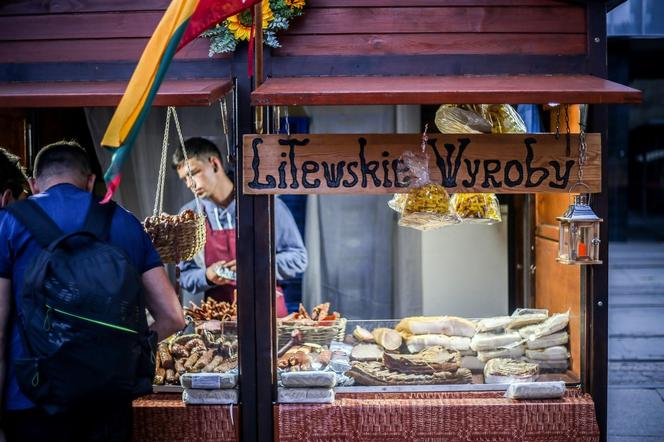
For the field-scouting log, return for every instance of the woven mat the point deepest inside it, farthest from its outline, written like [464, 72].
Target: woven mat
[164, 417]
[467, 416]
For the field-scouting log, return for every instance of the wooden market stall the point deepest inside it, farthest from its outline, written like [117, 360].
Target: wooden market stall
[58, 57]
[433, 52]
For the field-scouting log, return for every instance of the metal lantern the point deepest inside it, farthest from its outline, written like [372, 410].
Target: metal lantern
[579, 234]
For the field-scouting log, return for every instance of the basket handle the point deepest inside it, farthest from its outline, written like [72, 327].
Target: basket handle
[161, 179]
[186, 158]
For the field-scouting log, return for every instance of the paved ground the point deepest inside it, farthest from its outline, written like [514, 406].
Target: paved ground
[636, 342]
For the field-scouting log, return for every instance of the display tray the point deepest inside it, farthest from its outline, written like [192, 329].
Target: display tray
[570, 379]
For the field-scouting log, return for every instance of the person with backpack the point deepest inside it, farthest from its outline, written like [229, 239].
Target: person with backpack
[76, 277]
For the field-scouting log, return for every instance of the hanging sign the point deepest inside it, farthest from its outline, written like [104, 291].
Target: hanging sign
[499, 163]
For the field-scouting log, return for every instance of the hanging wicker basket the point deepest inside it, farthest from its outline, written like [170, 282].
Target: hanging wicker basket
[176, 237]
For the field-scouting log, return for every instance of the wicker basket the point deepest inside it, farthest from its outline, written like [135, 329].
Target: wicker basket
[177, 241]
[322, 334]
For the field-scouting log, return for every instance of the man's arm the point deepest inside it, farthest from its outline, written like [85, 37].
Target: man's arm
[291, 255]
[162, 302]
[5, 306]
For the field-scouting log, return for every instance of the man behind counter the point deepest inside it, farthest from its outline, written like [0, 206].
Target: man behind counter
[199, 277]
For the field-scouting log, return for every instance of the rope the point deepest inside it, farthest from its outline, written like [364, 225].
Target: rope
[224, 125]
[161, 179]
[184, 152]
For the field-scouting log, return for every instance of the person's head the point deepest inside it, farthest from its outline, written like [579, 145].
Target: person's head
[13, 181]
[62, 162]
[207, 170]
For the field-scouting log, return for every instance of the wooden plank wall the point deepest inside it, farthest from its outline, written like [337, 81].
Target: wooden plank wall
[437, 27]
[82, 31]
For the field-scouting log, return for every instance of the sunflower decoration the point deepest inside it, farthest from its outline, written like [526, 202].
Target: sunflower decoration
[276, 17]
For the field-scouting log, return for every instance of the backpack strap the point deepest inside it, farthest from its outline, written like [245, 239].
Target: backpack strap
[98, 219]
[42, 228]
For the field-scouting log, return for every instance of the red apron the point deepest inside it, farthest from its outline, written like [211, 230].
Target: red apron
[220, 246]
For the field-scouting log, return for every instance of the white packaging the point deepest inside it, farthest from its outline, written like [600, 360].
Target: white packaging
[498, 379]
[536, 390]
[208, 381]
[554, 324]
[207, 397]
[305, 395]
[417, 343]
[491, 341]
[321, 379]
[492, 324]
[510, 353]
[551, 353]
[551, 366]
[437, 325]
[555, 339]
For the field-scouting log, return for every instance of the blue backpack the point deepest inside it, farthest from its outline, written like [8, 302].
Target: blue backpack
[81, 316]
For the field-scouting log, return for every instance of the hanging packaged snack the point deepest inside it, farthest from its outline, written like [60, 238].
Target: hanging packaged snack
[427, 204]
[477, 208]
[455, 119]
[504, 119]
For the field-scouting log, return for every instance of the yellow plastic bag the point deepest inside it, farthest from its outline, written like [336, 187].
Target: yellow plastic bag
[477, 208]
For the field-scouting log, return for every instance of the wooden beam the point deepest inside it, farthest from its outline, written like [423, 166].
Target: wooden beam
[539, 89]
[108, 93]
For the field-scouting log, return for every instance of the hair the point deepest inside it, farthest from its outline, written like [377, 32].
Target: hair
[197, 147]
[63, 158]
[12, 176]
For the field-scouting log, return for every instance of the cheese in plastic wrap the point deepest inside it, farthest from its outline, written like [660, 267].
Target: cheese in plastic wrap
[508, 371]
[504, 119]
[493, 324]
[536, 390]
[557, 352]
[509, 353]
[477, 208]
[491, 341]
[417, 343]
[553, 324]
[560, 338]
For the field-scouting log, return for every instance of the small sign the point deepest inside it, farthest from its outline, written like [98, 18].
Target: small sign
[499, 163]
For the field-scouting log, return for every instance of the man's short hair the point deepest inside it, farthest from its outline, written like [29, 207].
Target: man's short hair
[197, 147]
[62, 158]
[12, 176]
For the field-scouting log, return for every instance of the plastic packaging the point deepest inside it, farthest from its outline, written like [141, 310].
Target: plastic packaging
[557, 352]
[417, 343]
[493, 324]
[445, 325]
[504, 119]
[559, 338]
[477, 208]
[305, 395]
[491, 341]
[320, 379]
[210, 397]
[509, 353]
[507, 371]
[454, 119]
[553, 324]
[427, 204]
[536, 390]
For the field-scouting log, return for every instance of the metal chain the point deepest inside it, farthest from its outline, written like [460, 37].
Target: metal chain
[425, 137]
[582, 150]
[224, 125]
[287, 120]
[161, 179]
[568, 137]
[567, 118]
[558, 122]
[186, 158]
[277, 119]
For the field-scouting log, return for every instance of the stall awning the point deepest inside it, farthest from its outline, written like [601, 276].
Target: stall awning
[537, 89]
[199, 92]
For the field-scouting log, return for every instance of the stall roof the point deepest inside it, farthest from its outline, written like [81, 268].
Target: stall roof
[199, 92]
[537, 89]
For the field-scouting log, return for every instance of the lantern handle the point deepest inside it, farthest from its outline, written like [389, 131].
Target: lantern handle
[573, 186]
